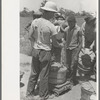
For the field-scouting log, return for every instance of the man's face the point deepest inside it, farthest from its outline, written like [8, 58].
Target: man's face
[92, 23]
[51, 14]
[71, 23]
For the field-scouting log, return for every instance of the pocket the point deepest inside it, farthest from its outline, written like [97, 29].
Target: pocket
[44, 56]
[35, 52]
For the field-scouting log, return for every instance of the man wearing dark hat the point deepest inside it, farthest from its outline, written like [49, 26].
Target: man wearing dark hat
[73, 45]
[42, 32]
[89, 32]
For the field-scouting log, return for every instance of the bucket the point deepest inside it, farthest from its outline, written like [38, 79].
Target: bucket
[86, 91]
[93, 97]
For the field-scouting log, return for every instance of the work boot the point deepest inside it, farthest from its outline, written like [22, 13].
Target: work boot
[45, 98]
[30, 97]
[50, 96]
[40, 98]
[74, 82]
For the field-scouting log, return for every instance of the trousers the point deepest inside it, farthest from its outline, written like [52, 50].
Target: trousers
[56, 52]
[71, 62]
[39, 69]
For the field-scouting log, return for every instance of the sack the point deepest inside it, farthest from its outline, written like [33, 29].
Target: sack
[85, 61]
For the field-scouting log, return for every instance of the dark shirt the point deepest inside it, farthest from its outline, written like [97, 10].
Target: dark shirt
[72, 39]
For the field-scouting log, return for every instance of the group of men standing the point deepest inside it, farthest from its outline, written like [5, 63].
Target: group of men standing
[43, 37]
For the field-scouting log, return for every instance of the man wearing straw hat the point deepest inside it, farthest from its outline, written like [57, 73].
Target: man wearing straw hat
[42, 32]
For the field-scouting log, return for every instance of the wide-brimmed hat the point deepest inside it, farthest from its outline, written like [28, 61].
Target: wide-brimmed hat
[89, 18]
[50, 6]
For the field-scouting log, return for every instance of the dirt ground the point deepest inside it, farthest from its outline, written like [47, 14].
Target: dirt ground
[25, 65]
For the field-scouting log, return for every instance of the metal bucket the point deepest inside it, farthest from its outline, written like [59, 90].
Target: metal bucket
[86, 91]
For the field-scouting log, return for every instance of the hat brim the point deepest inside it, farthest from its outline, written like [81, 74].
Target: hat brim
[89, 18]
[48, 9]
[37, 13]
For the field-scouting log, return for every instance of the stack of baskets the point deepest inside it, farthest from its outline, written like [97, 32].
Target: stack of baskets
[58, 79]
[57, 74]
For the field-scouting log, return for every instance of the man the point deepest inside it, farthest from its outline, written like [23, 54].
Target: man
[89, 32]
[56, 51]
[42, 31]
[60, 25]
[72, 46]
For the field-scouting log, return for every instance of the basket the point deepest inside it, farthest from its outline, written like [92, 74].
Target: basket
[57, 74]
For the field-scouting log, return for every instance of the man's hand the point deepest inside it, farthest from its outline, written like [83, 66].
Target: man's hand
[76, 58]
[55, 43]
[61, 45]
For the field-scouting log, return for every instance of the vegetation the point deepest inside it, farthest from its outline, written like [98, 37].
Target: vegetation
[26, 13]
[63, 11]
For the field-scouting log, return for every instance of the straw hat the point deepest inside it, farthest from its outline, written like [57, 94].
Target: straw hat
[50, 6]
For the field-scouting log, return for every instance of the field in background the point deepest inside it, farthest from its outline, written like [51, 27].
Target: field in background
[24, 41]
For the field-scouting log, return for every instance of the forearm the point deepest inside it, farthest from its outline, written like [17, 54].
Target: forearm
[31, 35]
[55, 43]
[80, 46]
[78, 49]
[81, 42]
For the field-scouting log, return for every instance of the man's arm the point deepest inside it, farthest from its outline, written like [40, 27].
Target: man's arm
[53, 37]
[93, 45]
[31, 33]
[82, 30]
[80, 43]
[55, 43]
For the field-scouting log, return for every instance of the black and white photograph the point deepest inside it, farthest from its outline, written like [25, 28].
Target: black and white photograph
[58, 49]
